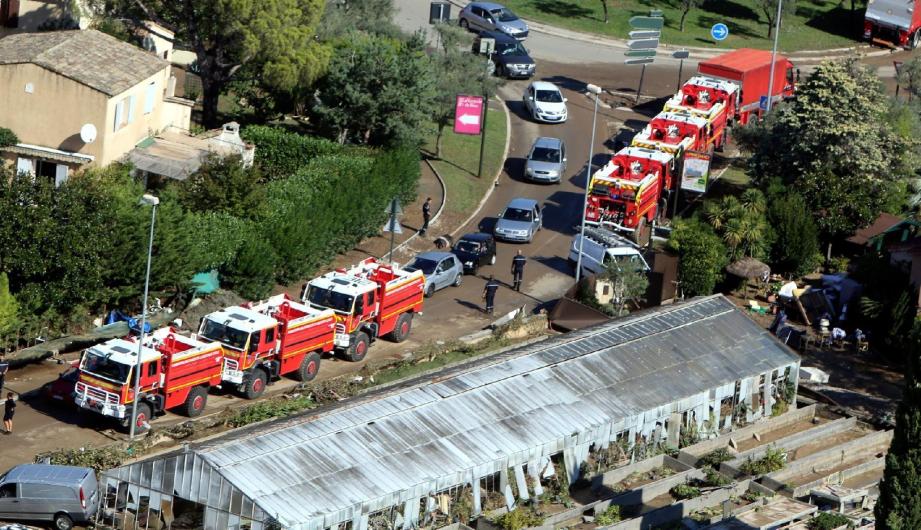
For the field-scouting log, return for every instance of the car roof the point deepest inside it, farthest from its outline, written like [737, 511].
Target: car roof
[48, 474]
[521, 203]
[434, 255]
[544, 85]
[476, 236]
[498, 35]
[489, 6]
[546, 141]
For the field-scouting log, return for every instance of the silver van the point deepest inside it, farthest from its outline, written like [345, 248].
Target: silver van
[63, 495]
[602, 247]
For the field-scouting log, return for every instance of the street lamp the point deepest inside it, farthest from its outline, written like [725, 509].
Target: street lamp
[148, 200]
[596, 90]
[773, 58]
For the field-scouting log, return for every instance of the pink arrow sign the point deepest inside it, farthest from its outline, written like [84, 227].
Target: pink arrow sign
[467, 112]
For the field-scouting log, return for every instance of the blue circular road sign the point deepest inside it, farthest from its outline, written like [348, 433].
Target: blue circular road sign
[719, 31]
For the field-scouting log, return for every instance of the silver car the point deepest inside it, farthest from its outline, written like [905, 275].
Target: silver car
[546, 161]
[520, 221]
[441, 269]
[62, 495]
[487, 16]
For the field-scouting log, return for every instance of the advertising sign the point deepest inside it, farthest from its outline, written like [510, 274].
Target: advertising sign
[696, 172]
[467, 113]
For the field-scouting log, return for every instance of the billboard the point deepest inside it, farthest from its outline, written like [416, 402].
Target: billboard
[467, 113]
[696, 172]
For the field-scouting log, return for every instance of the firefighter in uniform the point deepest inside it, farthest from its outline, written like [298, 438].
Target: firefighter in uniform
[518, 263]
[489, 293]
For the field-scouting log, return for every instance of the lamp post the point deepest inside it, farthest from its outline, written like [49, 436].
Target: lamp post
[596, 90]
[152, 201]
[773, 58]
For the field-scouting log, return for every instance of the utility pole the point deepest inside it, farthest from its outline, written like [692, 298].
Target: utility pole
[596, 90]
[479, 172]
[153, 202]
[773, 58]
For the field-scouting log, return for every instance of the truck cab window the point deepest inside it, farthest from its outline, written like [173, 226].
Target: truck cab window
[151, 368]
[254, 341]
[360, 305]
[269, 335]
[790, 75]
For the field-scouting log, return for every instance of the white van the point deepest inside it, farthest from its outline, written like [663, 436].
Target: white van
[602, 247]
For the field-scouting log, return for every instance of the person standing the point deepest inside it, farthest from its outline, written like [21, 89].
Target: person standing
[426, 215]
[9, 408]
[489, 293]
[518, 263]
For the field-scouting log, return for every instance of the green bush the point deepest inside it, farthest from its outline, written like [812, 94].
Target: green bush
[98, 458]
[716, 457]
[701, 256]
[608, 517]
[280, 153]
[272, 408]
[518, 519]
[774, 459]
[7, 137]
[829, 521]
[684, 491]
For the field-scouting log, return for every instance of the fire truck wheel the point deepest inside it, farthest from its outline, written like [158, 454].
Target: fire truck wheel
[142, 421]
[195, 402]
[309, 367]
[358, 348]
[256, 384]
[401, 329]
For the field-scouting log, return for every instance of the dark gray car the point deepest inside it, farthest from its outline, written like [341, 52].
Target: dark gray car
[63, 495]
[546, 160]
[488, 16]
[441, 269]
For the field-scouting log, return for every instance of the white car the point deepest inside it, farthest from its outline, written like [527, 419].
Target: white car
[545, 102]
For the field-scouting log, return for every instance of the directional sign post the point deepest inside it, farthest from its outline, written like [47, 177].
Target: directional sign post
[681, 55]
[644, 39]
[719, 31]
[467, 111]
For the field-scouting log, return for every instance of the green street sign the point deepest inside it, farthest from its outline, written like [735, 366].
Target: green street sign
[640, 53]
[646, 22]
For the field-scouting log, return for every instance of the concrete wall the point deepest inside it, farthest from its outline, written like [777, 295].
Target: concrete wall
[681, 509]
[614, 476]
[647, 492]
[876, 464]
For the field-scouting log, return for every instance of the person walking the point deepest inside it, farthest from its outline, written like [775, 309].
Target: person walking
[489, 294]
[9, 408]
[426, 215]
[518, 263]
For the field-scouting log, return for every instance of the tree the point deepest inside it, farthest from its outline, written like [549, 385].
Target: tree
[222, 184]
[899, 503]
[769, 8]
[796, 247]
[909, 76]
[629, 284]
[342, 17]
[7, 137]
[741, 223]
[274, 40]
[9, 308]
[604, 8]
[378, 91]
[701, 256]
[686, 6]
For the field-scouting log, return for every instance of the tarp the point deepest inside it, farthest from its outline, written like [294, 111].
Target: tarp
[206, 283]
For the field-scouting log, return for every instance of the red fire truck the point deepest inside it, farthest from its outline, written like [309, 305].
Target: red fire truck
[176, 371]
[630, 191]
[371, 300]
[714, 100]
[266, 340]
[893, 23]
[678, 132]
[750, 70]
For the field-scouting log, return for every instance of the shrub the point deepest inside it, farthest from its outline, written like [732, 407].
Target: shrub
[7, 137]
[98, 458]
[714, 478]
[716, 457]
[701, 256]
[774, 459]
[829, 521]
[280, 153]
[684, 491]
[272, 408]
[608, 517]
[518, 519]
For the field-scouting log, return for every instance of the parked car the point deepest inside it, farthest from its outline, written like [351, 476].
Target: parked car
[492, 17]
[63, 495]
[62, 388]
[545, 102]
[441, 269]
[602, 247]
[546, 160]
[474, 250]
[520, 220]
[509, 59]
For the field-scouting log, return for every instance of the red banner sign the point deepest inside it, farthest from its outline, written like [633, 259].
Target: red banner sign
[468, 112]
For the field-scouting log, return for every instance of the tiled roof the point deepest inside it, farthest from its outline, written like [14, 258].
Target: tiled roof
[90, 57]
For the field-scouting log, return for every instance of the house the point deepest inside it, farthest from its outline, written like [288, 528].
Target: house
[79, 98]
[17, 16]
[886, 230]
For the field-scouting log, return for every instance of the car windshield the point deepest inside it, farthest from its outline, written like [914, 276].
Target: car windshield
[102, 366]
[330, 299]
[467, 246]
[517, 214]
[511, 49]
[425, 265]
[224, 334]
[545, 154]
[504, 15]
[549, 96]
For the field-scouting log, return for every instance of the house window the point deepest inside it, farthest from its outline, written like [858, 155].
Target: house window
[24, 165]
[149, 97]
[124, 113]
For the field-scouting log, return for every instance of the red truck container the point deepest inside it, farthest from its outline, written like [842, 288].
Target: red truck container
[678, 132]
[630, 191]
[269, 339]
[750, 70]
[893, 23]
[714, 100]
[371, 300]
[176, 372]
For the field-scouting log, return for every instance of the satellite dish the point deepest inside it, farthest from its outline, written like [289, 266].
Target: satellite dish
[88, 133]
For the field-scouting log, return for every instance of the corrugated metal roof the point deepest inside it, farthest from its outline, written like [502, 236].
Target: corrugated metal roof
[436, 430]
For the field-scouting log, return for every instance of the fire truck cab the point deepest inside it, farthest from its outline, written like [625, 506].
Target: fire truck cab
[675, 133]
[370, 300]
[715, 100]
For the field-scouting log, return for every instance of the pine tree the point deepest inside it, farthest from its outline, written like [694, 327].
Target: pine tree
[899, 504]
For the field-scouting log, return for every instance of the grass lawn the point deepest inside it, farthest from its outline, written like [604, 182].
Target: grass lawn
[460, 159]
[817, 24]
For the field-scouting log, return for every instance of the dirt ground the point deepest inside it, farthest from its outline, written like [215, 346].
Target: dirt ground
[777, 434]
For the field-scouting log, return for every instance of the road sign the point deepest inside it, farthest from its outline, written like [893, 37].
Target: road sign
[487, 45]
[393, 226]
[680, 54]
[394, 207]
[719, 31]
[647, 22]
[467, 112]
[640, 53]
[645, 34]
[643, 44]
[763, 103]
[647, 60]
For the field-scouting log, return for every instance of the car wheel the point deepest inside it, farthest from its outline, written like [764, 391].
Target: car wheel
[458, 280]
[492, 260]
[62, 521]
[501, 71]
[464, 24]
[430, 290]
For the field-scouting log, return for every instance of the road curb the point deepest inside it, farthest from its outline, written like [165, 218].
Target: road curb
[489, 192]
[441, 207]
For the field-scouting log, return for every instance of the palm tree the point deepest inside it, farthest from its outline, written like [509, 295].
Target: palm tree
[718, 213]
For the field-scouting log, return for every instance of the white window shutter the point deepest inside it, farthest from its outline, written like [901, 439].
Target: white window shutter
[130, 109]
[60, 175]
[25, 165]
[149, 98]
[119, 110]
